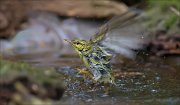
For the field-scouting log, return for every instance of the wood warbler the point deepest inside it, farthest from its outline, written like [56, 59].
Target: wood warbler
[121, 35]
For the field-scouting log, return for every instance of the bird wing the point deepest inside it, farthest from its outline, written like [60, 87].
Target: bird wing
[122, 34]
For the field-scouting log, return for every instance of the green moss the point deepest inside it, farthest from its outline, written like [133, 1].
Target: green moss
[10, 70]
[170, 21]
[159, 15]
[164, 4]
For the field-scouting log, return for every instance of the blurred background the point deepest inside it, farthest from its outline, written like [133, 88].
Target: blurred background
[38, 67]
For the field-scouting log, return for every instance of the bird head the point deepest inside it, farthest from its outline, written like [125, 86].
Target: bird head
[80, 45]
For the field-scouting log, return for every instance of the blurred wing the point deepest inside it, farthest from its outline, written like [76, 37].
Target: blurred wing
[122, 34]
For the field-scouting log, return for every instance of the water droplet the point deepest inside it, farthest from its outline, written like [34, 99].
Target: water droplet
[154, 91]
[88, 100]
[104, 95]
[158, 78]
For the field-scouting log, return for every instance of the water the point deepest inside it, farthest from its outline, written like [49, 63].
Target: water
[159, 84]
[144, 81]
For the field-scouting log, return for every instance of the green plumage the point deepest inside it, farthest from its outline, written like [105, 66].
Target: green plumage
[99, 64]
[96, 59]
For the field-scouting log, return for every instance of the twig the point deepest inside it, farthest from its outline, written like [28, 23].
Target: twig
[175, 11]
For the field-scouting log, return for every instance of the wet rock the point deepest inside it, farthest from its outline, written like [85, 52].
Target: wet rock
[164, 44]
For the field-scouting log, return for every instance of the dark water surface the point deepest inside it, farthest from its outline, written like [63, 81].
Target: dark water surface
[145, 81]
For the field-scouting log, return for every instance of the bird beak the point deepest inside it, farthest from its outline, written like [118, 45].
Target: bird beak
[68, 41]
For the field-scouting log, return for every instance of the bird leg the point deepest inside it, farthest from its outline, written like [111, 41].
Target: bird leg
[85, 72]
[107, 87]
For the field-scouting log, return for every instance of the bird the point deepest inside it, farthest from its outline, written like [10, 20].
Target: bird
[111, 39]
